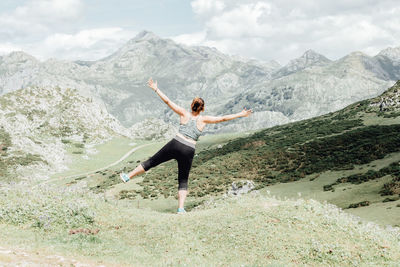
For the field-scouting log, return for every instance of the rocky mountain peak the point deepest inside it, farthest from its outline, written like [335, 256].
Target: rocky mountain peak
[357, 54]
[308, 59]
[19, 57]
[140, 44]
[313, 56]
[355, 58]
[391, 53]
[144, 36]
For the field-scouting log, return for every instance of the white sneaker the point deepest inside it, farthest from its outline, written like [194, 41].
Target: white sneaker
[124, 177]
[181, 211]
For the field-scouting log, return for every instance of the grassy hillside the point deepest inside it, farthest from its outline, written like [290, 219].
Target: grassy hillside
[253, 230]
[343, 140]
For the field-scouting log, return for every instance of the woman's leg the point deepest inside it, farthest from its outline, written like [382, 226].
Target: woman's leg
[181, 198]
[138, 170]
[164, 154]
[184, 164]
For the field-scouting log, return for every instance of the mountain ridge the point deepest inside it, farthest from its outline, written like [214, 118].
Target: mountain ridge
[308, 86]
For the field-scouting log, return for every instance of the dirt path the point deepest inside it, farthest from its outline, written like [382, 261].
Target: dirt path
[20, 257]
[100, 169]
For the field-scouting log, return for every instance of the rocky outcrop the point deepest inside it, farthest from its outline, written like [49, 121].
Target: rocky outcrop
[241, 187]
[388, 101]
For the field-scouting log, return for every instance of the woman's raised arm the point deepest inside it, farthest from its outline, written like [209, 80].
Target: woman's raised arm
[214, 119]
[153, 85]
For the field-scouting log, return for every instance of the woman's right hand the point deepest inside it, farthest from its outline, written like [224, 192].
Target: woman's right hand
[152, 84]
[245, 112]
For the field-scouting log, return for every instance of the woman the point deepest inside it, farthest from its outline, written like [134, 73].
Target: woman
[182, 146]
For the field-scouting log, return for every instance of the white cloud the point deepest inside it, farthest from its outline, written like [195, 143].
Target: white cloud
[207, 7]
[262, 29]
[89, 44]
[190, 39]
[50, 28]
[49, 10]
[284, 29]
[36, 18]
[6, 48]
[243, 21]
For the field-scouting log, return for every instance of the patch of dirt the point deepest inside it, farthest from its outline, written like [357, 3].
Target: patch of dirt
[84, 231]
[257, 143]
[20, 257]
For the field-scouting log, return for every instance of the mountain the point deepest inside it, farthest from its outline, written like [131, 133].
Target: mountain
[39, 124]
[308, 86]
[389, 60]
[308, 59]
[119, 80]
[318, 89]
[182, 72]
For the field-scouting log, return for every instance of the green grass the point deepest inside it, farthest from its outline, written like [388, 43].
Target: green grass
[107, 179]
[108, 152]
[344, 194]
[251, 230]
[280, 155]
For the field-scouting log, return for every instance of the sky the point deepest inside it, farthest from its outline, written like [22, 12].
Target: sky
[260, 29]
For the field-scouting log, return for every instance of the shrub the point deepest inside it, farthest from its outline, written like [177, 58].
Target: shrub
[78, 145]
[389, 199]
[359, 204]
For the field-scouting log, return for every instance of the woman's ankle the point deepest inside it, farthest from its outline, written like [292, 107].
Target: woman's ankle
[181, 210]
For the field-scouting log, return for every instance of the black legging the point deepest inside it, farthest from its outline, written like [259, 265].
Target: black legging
[174, 149]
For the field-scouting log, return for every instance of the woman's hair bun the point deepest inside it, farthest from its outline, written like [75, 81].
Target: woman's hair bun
[197, 104]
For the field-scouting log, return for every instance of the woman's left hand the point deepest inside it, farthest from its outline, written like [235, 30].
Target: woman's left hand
[246, 113]
[152, 84]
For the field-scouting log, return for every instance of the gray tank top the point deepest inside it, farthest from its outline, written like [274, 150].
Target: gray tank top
[190, 129]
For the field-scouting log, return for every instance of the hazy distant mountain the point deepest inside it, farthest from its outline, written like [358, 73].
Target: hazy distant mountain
[321, 87]
[182, 72]
[308, 59]
[120, 79]
[389, 61]
[307, 86]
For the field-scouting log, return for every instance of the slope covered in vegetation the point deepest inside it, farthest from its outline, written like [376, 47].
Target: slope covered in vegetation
[359, 134]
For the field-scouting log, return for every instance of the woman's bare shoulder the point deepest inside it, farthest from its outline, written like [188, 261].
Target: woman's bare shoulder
[185, 116]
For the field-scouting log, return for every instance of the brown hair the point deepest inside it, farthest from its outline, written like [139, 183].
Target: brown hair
[197, 104]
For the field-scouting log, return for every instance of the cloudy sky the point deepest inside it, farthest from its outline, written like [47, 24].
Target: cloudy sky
[261, 29]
